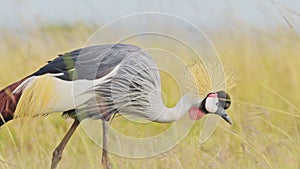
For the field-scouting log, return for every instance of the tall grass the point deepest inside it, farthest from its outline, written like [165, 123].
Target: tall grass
[265, 107]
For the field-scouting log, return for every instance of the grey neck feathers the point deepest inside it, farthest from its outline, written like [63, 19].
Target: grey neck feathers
[164, 114]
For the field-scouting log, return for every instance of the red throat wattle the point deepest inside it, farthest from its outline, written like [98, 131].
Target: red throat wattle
[195, 113]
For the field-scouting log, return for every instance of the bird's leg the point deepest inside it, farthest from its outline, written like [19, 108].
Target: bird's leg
[105, 158]
[57, 153]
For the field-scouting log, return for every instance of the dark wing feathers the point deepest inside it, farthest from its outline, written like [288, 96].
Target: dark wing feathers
[62, 64]
[87, 63]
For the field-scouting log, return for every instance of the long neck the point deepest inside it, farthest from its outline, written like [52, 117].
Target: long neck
[175, 113]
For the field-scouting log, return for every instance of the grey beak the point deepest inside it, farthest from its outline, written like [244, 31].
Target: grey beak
[221, 112]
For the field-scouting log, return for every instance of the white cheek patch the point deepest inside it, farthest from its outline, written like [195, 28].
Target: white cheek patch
[211, 104]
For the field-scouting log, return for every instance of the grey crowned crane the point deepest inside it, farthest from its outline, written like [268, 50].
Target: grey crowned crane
[99, 82]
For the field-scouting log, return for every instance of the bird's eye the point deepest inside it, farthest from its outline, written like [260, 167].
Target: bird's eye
[227, 105]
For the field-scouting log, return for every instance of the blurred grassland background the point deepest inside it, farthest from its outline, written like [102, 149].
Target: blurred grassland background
[265, 109]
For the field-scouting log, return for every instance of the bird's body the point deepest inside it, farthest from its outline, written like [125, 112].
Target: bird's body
[98, 82]
[80, 79]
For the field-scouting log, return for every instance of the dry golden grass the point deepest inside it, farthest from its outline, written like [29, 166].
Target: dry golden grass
[265, 107]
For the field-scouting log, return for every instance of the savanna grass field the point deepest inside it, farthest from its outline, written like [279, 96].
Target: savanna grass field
[262, 68]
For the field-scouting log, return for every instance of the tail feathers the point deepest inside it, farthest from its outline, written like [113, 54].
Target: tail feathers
[9, 99]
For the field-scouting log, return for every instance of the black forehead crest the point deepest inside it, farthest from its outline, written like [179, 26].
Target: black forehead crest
[224, 99]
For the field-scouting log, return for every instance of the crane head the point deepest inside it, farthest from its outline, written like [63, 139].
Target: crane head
[213, 103]
[217, 103]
